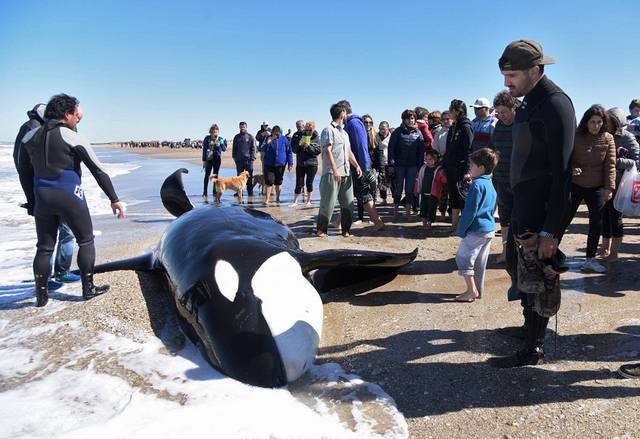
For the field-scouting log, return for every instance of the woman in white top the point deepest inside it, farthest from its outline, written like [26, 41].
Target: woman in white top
[440, 133]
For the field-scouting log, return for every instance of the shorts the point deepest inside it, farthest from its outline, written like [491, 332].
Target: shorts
[273, 175]
[364, 188]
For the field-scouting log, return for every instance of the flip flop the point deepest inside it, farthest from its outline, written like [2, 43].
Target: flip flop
[463, 300]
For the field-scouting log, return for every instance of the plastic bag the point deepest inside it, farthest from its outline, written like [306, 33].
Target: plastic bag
[627, 198]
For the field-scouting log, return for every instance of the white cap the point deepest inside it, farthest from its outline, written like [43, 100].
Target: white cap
[481, 103]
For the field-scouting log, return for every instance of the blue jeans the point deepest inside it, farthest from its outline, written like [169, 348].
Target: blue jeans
[64, 250]
[405, 178]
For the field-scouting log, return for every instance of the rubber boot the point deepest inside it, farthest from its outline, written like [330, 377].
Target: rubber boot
[42, 292]
[89, 290]
[533, 353]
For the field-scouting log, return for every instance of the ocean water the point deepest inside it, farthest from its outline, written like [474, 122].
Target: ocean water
[80, 401]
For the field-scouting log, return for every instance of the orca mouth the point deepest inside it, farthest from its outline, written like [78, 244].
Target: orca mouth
[293, 310]
[247, 353]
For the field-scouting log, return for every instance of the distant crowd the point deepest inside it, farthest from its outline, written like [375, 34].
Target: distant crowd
[186, 143]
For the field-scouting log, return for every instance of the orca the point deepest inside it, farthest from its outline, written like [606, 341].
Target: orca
[244, 289]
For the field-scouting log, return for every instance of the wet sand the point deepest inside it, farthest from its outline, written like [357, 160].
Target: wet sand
[430, 353]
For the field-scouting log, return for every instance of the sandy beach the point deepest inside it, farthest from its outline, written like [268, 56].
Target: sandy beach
[426, 351]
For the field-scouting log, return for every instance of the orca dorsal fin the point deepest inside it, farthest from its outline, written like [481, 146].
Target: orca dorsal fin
[173, 196]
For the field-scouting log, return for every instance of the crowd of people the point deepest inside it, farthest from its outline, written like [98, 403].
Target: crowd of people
[523, 157]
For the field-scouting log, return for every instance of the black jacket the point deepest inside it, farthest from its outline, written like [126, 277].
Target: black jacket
[406, 147]
[308, 155]
[244, 148]
[35, 121]
[459, 139]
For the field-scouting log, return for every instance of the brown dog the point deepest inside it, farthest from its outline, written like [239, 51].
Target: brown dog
[258, 179]
[236, 183]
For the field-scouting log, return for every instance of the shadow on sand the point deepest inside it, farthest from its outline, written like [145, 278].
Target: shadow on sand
[443, 387]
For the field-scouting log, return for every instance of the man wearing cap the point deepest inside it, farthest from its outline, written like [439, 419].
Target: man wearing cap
[244, 154]
[483, 124]
[261, 138]
[540, 174]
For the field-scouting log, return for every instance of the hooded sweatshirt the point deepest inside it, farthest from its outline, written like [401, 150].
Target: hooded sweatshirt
[359, 142]
[278, 152]
[36, 120]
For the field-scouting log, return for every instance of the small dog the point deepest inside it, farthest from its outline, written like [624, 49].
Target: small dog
[258, 179]
[236, 183]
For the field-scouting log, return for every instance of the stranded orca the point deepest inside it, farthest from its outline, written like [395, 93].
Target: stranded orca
[243, 287]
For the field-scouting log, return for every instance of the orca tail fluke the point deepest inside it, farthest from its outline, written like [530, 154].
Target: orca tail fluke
[355, 270]
[144, 262]
[173, 196]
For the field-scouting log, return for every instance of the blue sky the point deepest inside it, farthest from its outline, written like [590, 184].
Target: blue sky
[168, 69]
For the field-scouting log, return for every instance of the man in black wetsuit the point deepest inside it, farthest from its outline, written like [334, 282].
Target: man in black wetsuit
[49, 168]
[543, 135]
[66, 242]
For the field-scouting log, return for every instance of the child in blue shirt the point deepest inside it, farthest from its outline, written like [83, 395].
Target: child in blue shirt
[477, 225]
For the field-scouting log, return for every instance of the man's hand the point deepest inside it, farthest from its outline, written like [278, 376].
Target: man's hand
[358, 171]
[576, 171]
[336, 175]
[204, 164]
[390, 171]
[118, 209]
[606, 195]
[546, 247]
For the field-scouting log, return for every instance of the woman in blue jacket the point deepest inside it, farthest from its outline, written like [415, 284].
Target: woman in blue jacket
[277, 155]
[212, 147]
[406, 152]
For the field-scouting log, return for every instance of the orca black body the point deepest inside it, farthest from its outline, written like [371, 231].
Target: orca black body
[242, 285]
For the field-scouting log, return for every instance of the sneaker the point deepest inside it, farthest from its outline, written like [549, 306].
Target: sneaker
[629, 370]
[591, 265]
[67, 277]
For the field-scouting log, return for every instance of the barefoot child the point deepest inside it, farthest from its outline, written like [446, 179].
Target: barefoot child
[431, 179]
[477, 225]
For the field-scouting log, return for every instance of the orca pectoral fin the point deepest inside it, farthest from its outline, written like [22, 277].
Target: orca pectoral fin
[173, 196]
[144, 262]
[355, 270]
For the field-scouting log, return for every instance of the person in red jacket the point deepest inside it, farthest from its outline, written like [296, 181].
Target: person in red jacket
[422, 121]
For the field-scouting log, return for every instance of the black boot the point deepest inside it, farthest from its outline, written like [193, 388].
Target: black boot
[533, 353]
[42, 292]
[89, 290]
[525, 357]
